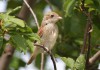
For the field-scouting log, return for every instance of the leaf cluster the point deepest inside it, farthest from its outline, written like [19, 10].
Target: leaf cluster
[16, 32]
[79, 64]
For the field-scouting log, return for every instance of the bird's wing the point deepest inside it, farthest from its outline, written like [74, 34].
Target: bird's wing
[40, 32]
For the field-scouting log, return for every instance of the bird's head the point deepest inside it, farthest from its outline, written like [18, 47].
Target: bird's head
[51, 17]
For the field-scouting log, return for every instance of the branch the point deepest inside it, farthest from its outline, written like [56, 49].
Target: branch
[52, 58]
[6, 57]
[93, 59]
[42, 61]
[35, 18]
[89, 22]
[85, 40]
[86, 29]
[87, 34]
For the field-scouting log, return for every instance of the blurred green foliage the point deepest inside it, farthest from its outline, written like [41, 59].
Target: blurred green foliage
[79, 64]
[71, 30]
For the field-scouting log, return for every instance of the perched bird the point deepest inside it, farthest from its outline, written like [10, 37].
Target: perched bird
[48, 33]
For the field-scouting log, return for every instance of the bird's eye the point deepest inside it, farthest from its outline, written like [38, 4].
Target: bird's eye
[52, 16]
[45, 23]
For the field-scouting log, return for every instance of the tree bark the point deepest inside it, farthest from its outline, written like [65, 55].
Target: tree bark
[6, 57]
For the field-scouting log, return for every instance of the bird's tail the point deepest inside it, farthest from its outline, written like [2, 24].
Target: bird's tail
[33, 56]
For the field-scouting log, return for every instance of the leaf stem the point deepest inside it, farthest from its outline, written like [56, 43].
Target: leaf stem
[12, 11]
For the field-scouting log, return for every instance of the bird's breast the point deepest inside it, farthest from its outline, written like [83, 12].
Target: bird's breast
[49, 36]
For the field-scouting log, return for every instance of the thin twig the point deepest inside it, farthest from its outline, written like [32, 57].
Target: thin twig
[52, 58]
[42, 61]
[82, 5]
[87, 35]
[85, 40]
[86, 29]
[35, 18]
[89, 22]
[88, 51]
[94, 58]
[54, 63]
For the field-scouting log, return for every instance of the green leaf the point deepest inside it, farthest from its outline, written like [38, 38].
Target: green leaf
[91, 9]
[12, 20]
[9, 25]
[19, 42]
[26, 29]
[1, 41]
[80, 63]
[69, 6]
[17, 21]
[30, 45]
[34, 36]
[69, 62]
[16, 63]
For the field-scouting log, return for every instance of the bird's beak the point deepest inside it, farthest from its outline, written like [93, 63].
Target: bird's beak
[59, 17]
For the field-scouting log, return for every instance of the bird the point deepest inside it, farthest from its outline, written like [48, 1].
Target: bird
[48, 33]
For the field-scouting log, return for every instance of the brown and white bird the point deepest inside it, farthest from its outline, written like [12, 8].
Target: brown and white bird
[48, 33]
